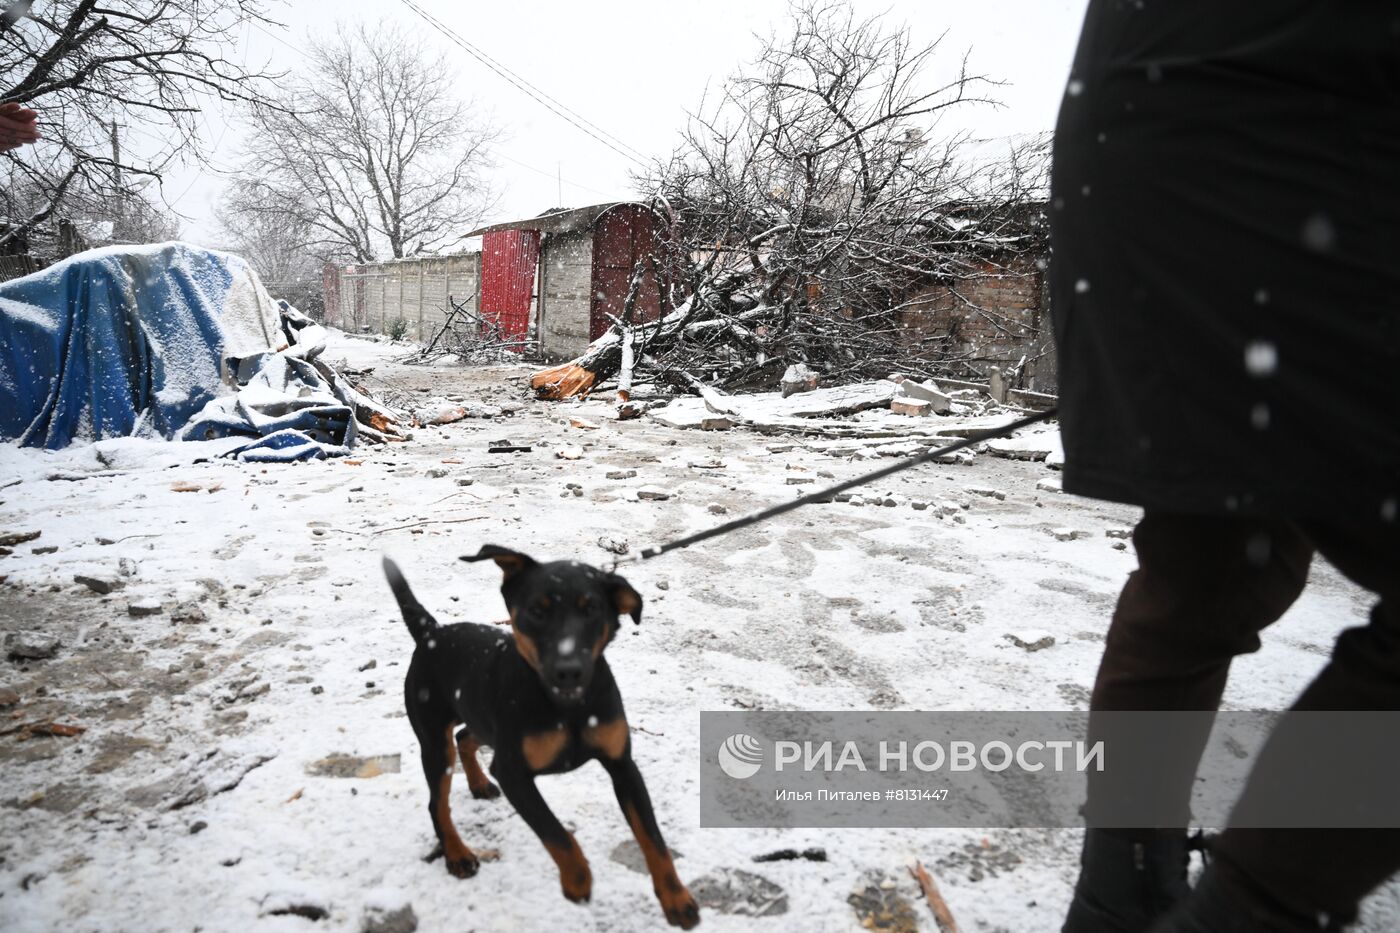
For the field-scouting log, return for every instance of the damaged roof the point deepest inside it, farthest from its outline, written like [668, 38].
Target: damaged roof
[559, 220]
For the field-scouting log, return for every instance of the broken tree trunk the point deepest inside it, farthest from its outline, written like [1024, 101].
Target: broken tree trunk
[624, 375]
[603, 358]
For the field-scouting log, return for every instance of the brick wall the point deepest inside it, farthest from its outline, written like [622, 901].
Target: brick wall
[992, 317]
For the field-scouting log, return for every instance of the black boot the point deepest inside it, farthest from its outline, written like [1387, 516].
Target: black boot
[1127, 880]
[1225, 901]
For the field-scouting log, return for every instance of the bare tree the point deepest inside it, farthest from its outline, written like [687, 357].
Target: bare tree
[95, 70]
[281, 247]
[816, 196]
[370, 148]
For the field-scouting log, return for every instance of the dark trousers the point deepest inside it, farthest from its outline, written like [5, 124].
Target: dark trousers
[1206, 586]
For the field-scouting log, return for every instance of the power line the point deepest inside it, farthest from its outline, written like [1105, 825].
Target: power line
[539, 96]
[539, 171]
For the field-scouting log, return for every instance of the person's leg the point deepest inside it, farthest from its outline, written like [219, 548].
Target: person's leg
[1329, 871]
[1204, 588]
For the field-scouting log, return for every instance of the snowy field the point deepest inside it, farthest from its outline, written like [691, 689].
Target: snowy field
[270, 642]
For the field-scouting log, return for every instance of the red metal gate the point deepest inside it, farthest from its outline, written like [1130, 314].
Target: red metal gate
[508, 260]
[621, 236]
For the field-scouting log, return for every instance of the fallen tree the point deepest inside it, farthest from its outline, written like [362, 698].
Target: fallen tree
[808, 211]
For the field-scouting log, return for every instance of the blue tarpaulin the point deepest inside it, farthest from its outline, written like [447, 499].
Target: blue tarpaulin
[171, 341]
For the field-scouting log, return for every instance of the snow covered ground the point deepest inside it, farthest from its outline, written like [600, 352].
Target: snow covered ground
[188, 802]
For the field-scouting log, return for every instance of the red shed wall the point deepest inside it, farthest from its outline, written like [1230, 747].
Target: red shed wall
[621, 236]
[508, 260]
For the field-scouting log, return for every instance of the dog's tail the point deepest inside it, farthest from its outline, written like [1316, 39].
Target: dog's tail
[420, 622]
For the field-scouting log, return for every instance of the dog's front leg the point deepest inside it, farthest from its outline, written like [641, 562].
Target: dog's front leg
[517, 782]
[676, 900]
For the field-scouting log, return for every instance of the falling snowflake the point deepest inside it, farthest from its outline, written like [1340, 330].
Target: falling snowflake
[1260, 358]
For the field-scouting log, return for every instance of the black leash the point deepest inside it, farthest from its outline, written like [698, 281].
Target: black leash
[826, 494]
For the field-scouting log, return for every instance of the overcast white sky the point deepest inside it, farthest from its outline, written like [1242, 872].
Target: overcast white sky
[633, 67]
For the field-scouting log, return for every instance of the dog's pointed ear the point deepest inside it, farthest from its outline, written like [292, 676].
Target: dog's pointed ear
[510, 562]
[626, 600]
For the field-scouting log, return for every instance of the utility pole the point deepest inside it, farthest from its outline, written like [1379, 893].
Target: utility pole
[117, 195]
[116, 156]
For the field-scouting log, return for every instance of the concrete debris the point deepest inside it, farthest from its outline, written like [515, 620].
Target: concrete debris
[99, 583]
[907, 449]
[653, 493]
[986, 492]
[910, 406]
[569, 453]
[1034, 446]
[799, 480]
[145, 606]
[799, 378]
[1121, 533]
[127, 567]
[1068, 534]
[439, 411]
[1049, 484]
[31, 646]
[1031, 641]
[940, 403]
[583, 424]
[618, 546]
[11, 538]
[716, 424]
[8, 697]
[621, 474]
[707, 464]
[465, 481]
[714, 508]
[188, 612]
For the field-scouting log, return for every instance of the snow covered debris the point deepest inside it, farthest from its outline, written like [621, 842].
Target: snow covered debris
[799, 377]
[36, 646]
[826, 607]
[1031, 641]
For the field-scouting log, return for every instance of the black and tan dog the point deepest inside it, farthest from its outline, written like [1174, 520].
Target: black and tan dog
[544, 699]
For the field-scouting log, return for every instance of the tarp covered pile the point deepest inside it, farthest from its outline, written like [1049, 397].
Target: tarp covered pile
[171, 341]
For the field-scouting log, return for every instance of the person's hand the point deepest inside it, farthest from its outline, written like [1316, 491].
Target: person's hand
[17, 126]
